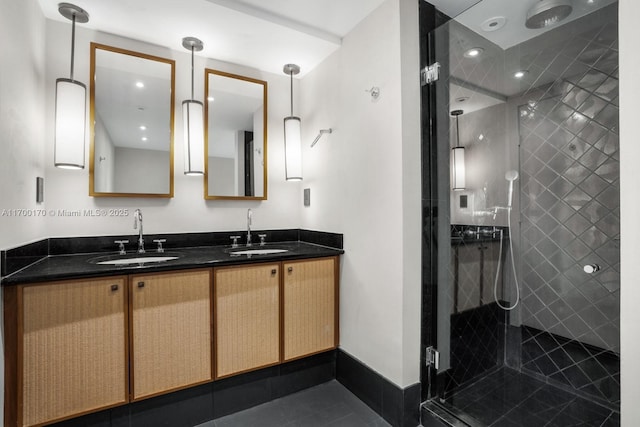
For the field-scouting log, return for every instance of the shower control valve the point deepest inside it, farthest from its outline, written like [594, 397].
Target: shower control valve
[591, 268]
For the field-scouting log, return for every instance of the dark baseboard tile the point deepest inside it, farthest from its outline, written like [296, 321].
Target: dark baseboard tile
[399, 407]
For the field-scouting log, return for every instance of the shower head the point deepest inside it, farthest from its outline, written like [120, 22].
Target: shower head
[546, 13]
[510, 176]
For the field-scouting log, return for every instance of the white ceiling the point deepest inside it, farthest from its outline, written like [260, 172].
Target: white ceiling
[255, 33]
[514, 12]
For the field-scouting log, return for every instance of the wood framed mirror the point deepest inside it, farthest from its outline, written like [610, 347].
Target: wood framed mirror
[235, 137]
[132, 116]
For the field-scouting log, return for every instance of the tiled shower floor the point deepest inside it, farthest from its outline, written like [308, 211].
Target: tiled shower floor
[507, 398]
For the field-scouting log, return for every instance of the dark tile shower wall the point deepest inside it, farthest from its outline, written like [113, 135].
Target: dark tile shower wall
[477, 344]
[570, 217]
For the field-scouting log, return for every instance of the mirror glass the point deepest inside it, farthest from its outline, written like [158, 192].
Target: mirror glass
[132, 106]
[236, 132]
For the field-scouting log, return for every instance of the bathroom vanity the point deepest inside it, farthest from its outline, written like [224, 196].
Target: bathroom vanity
[82, 336]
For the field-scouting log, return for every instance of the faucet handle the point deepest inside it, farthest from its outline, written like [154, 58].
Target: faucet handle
[120, 244]
[262, 237]
[160, 242]
[235, 241]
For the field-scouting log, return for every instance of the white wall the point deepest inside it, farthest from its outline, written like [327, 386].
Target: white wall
[22, 45]
[629, 11]
[131, 177]
[104, 152]
[365, 182]
[187, 211]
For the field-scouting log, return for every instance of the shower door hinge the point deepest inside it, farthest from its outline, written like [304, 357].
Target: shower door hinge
[432, 358]
[430, 73]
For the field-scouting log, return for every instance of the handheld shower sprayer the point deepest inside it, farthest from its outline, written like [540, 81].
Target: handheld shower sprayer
[510, 176]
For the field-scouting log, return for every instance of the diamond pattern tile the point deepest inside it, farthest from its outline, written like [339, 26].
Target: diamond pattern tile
[586, 197]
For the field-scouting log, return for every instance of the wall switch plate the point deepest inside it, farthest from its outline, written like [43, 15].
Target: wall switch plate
[39, 189]
[464, 201]
[307, 197]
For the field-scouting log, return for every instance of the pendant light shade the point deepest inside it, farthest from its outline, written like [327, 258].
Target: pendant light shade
[458, 178]
[192, 116]
[71, 105]
[193, 121]
[293, 148]
[458, 173]
[292, 138]
[70, 124]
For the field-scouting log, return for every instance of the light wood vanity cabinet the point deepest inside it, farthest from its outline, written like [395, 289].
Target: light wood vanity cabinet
[79, 346]
[170, 332]
[66, 344]
[247, 318]
[310, 307]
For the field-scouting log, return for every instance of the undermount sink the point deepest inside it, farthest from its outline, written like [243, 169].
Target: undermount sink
[123, 260]
[258, 251]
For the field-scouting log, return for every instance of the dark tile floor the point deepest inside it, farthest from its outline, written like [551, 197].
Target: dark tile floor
[328, 404]
[507, 398]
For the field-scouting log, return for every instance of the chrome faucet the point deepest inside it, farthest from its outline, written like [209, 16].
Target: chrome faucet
[137, 217]
[249, 214]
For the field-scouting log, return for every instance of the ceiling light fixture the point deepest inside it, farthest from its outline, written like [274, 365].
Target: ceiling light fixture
[493, 24]
[474, 52]
[546, 13]
[457, 158]
[71, 104]
[193, 120]
[292, 138]
[520, 74]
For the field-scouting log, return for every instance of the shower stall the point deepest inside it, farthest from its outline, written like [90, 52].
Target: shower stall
[521, 260]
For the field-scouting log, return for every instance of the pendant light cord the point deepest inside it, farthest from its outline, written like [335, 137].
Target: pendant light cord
[457, 133]
[73, 41]
[291, 79]
[192, 47]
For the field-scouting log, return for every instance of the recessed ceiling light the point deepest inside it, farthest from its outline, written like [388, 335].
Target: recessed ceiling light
[144, 138]
[520, 74]
[462, 99]
[493, 24]
[474, 52]
[143, 127]
[139, 84]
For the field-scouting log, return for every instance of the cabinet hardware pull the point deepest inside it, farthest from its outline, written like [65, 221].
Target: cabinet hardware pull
[290, 269]
[141, 284]
[273, 272]
[114, 287]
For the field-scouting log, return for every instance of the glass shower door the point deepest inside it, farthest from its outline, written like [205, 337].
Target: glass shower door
[535, 227]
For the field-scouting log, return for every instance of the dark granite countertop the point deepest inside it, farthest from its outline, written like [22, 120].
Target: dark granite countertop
[72, 266]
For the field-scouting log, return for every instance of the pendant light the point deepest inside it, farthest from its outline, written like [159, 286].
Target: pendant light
[71, 104]
[457, 158]
[193, 121]
[292, 140]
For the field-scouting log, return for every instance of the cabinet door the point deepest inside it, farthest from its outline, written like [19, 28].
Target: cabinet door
[170, 331]
[310, 307]
[247, 318]
[73, 348]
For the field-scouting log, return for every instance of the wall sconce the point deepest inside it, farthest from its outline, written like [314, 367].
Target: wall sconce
[193, 121]
[71, 104]
[292, 139]
[457, 158]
